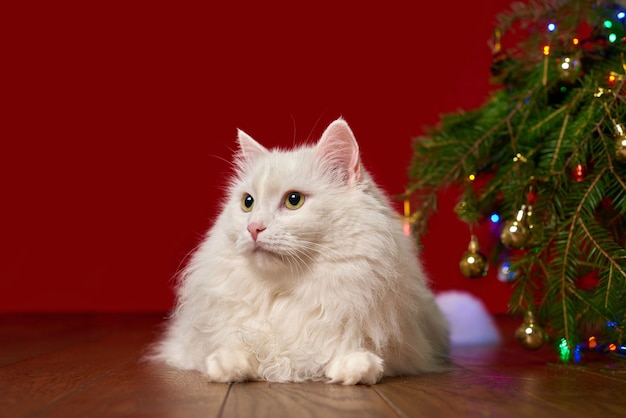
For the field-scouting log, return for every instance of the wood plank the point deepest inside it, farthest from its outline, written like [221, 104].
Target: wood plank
[566, 387]
[24, 336]
[590, 388]
[462, 393]
[144, 389]
[304, 400]
[35, 383]
[87, 365]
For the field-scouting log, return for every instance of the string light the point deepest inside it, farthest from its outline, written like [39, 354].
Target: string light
[471, 177]
[577, 354]
[592, 343]
[551, 27]
[579, 173]
[505, 274]
[566, 63]
[495, 218]
[546, 50]
[611, 79]
[407, 214]
[575, 41]
[564, 350]
[519, 157]
[621, 15]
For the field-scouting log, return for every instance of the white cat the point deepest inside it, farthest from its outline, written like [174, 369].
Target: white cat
[305, 275]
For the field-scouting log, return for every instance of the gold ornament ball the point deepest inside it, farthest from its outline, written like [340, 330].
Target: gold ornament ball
[515, 234]
[530, 335]
[473, 264]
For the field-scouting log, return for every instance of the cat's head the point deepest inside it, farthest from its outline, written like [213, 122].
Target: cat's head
[287, 207]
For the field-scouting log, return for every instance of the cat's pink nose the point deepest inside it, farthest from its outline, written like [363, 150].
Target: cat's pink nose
[254, 228]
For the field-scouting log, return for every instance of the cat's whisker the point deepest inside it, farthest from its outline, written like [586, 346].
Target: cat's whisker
[297, 259]
[298, 255]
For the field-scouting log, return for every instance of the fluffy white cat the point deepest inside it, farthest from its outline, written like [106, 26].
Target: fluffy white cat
[305, 275]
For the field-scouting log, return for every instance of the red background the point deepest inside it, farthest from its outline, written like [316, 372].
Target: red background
[120, 119]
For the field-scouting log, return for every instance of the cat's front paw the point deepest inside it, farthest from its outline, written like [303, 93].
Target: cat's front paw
[230, 366]
[353, 368]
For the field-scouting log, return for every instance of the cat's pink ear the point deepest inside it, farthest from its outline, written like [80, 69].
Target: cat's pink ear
[249, 149]
[339, 148]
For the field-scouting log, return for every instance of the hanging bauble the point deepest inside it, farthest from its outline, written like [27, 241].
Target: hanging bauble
[530, 335]
[569, 67]
[515, 233]
[473, 264]
[620, 143]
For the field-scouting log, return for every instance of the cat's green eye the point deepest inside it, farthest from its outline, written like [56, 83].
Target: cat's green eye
[294, 200]
[247, 203]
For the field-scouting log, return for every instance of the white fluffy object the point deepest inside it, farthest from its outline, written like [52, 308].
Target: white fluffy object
[305, 275]
[470, 322]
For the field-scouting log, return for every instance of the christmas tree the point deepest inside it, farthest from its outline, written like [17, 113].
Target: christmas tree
[546, 151]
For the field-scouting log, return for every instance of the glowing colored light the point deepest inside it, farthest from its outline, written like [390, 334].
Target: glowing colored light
[577, 354]
[579, 173]
[612, 347]
[471, 260]
[612, 37]
[505, 274]
[592, 342]
[551, 27]
[471, 177]
[407, 214]
[566, 63]
[564, 350]
[495, 218]
[621, 15]
[546, 50]
[575, 41]
[608, 24]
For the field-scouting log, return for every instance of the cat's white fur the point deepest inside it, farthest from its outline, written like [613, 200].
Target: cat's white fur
[331, 291]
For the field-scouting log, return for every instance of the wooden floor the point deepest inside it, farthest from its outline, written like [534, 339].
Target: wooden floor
[87, 366]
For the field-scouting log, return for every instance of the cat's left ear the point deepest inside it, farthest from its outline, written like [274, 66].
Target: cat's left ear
[339, 148]
[249, 149]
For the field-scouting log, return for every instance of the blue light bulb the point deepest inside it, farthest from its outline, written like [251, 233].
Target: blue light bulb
[551, 27]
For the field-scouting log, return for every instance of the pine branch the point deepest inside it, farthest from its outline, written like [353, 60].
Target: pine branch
[613, 263]
[530, 135]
